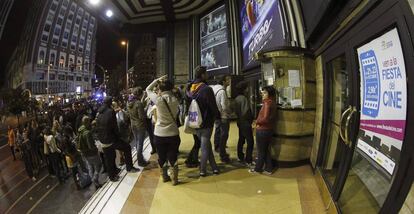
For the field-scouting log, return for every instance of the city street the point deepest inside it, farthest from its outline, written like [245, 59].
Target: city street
[19, 194]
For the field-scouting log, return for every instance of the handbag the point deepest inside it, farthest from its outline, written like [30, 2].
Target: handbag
[177, 120]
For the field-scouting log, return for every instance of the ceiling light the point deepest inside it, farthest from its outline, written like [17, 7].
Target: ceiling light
[94, 2]
[109, 13]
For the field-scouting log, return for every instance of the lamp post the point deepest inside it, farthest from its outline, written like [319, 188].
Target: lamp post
[126, 43]
[48, 78]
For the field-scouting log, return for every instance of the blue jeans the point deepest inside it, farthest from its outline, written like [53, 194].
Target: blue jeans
[206, 151]
[138, 143]
[264, 158]
[95, 167]
[221, 135]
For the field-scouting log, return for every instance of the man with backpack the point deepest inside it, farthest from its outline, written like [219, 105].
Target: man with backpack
[86, 145]
[222, 124]
[207, 112]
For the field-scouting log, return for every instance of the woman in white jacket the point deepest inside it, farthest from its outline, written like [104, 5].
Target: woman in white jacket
[166, 133]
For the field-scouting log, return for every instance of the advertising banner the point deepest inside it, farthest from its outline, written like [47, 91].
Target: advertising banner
[383, 100]
[213, 33]
[261, 27]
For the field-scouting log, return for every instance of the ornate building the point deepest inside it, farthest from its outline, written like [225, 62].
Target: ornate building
[144, 62]
[57, 49]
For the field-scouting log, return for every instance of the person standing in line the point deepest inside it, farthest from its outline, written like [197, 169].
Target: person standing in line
[264, 131]
[51, 149]
[244, 123]
[26, 148]
[11, 140]
[222, 124]
[148, 120]
[204, 95]
[123, 124]
[86, 145]
[109, 136]
[166, 133]
[138, 123]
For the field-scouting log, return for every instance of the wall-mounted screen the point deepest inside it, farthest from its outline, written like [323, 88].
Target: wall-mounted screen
[261, 28]
[213, 41]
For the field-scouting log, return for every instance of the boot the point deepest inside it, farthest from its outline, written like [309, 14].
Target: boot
[174, 174]
[164, 173]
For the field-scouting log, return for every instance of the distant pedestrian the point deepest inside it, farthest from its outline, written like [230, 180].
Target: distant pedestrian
[11, 141]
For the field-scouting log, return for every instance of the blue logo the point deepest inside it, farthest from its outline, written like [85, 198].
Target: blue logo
[371, 83]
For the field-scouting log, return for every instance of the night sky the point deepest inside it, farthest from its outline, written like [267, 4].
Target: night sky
[109, 52]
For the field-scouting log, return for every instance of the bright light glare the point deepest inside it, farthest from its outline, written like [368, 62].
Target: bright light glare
[109, 13]
[94, 2]
[123, 43]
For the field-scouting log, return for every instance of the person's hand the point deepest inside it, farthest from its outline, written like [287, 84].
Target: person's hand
[163, 78]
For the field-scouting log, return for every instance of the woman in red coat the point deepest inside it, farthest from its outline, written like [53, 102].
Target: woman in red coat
[264, 131]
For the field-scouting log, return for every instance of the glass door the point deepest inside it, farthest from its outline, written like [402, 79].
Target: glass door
[339, 96]
[380, 124]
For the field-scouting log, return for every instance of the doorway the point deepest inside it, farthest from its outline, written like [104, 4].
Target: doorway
[366, 104]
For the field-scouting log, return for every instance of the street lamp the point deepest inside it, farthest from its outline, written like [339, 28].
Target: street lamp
[126, 43]
[48, 77]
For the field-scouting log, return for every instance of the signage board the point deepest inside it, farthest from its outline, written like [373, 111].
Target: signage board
[213, 40]
[383, 100]
[261, 28]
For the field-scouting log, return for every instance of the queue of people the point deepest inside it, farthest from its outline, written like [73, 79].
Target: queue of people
[83, 141]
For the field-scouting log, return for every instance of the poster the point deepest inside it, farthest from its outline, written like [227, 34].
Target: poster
[383, 100]
[261, 27]
[294, 78]
[213, 41]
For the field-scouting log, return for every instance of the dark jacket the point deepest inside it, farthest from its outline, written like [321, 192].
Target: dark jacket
[137, 114]
[242, 109]
[106, 126]
[267, 115]
[204, 96]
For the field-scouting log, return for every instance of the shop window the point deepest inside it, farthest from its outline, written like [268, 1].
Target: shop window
[45, 37]
[52, 59]
[59, 21]
[55, 41]
[40, 76]
[41, 57]
[47, 28]
[66, 35]
[57, 31]
[54, 7]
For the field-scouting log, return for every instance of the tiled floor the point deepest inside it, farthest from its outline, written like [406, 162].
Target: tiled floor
[289, 190]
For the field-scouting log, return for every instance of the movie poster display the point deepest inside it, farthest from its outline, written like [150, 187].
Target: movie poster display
[261, 27]
[213, 41]
[383, 100]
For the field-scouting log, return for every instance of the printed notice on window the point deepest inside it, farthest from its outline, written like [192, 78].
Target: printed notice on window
[294, 78]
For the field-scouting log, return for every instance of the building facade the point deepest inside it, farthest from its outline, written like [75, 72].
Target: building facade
[56, 53]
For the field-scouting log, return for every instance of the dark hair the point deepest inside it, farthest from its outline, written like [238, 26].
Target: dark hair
[166, 85]
[240, 87]
[223, 79]
[199, 71]
[270, 90]
[138, 91]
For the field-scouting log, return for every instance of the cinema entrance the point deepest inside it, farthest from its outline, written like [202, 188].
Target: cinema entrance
[364, 158]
